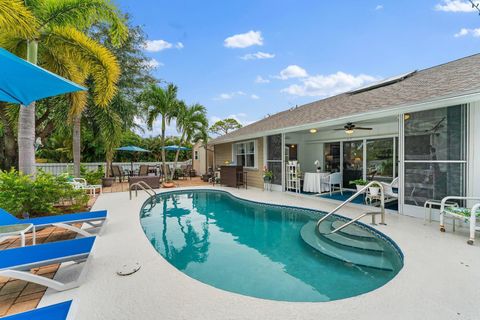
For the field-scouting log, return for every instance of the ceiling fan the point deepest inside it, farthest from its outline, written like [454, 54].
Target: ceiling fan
[350, 127]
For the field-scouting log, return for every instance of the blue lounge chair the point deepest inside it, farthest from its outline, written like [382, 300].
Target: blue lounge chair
[59, 311]
[17, 262]
[65, 221]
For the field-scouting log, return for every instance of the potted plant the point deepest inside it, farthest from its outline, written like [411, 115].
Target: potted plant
[107, 181]
[359, 183]
[267, 175]
[374, 189]
[168, 184]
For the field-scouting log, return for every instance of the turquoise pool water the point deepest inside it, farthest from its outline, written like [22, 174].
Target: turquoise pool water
[256, 249]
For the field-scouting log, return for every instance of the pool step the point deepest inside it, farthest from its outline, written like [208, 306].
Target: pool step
[343, 253]
[352, 231]
[344, 240]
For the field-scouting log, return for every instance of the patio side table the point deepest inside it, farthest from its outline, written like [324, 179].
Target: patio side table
[18, 229]
[431, 202]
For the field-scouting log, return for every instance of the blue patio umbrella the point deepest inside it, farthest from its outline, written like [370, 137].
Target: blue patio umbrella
[23, 82]
[175, 148]
[132, 149]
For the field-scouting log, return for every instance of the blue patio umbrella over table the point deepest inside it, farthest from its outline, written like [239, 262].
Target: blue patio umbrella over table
[175, 148]
[22, 82]
[132, 149]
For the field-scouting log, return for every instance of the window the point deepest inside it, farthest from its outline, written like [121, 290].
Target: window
[244, 154]
[196, 155]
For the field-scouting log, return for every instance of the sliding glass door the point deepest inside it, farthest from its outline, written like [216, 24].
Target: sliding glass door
[352, 162]
[381, 160]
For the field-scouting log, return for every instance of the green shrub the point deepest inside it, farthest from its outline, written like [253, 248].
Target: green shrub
[92, 177]
[19, 194]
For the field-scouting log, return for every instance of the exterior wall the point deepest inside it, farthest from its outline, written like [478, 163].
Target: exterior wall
[199, 164]
[223, 153]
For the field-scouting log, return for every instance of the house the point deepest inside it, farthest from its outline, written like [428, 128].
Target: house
[422, 126]
[202, 157]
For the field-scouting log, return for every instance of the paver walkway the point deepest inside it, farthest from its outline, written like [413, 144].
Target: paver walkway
[17, 295]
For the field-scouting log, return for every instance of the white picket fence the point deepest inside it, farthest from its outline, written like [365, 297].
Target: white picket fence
[60, 168]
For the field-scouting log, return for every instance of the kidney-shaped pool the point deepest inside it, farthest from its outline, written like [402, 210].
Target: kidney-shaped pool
[257, 249]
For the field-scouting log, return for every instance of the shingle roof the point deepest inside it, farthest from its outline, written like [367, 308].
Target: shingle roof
[454, 78]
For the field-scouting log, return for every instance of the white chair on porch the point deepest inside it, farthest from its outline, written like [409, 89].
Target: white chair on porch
[471, 215]
[334, 181]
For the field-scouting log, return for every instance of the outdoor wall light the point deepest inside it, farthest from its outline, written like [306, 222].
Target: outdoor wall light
[313, 130]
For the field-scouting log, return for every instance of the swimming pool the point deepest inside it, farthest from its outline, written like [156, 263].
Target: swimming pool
[257, 249]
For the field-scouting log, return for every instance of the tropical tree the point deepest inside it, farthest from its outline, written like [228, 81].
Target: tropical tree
[190, 121]
[160, 102]
[61, 46]
[225, 126]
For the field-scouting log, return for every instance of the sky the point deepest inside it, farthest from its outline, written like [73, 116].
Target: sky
[247, 59]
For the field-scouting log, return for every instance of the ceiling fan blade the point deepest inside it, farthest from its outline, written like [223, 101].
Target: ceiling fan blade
[361, 128]
[339, 129]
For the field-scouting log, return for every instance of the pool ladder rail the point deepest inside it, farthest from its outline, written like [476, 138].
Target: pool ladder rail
[145, 187]
[371, 213]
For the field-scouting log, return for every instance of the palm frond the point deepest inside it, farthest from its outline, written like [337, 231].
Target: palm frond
[83, 14]
[96, 61]
[17, 19]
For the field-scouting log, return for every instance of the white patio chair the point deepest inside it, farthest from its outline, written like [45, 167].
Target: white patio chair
[334, 180]
[388, 190]
[462, 214]
[80, 183]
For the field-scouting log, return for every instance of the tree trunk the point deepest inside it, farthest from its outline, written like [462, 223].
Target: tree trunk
[176, 155]
[76, 145]
[163, 148]
[26, 125]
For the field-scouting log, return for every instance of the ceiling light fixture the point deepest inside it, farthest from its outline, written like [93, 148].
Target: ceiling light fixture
[313, 130]
[348, 131]
[406, 116]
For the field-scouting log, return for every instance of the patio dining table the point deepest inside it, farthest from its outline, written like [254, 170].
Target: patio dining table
[313, 182]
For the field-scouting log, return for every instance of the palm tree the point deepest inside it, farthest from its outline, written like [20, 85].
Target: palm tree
[162, 102]
[61, 46]
[15, 18]
[190, 121]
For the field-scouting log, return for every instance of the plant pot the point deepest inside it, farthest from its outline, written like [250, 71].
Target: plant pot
[359, 187]
[168, 185]
[374, 191]
[267, 180]
[107, 182]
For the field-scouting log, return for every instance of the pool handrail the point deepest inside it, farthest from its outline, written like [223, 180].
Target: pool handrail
[355, 195]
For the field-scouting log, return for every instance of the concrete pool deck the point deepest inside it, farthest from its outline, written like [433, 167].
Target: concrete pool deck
[440, 278]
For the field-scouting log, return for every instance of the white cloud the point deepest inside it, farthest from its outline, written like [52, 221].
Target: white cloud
[292, 71]
[170, 130]
[260, 79]
[228, 96]
[244, 40]
[379, 7]
[328, 85]
[254, 97]
[258, 55]
[455, 6]
[154, 63]
[465, 32]
[160, 45]
[157, 45]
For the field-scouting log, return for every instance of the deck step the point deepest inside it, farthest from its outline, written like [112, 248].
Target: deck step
[356, 257]
[352, 231]
[343, 240]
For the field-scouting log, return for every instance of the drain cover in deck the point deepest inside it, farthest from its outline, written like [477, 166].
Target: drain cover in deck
[128, 269]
